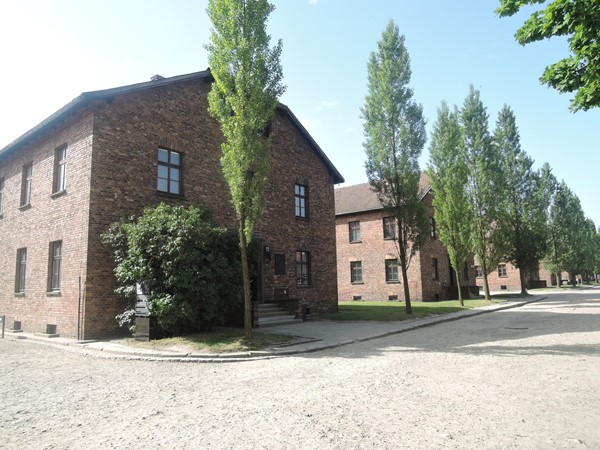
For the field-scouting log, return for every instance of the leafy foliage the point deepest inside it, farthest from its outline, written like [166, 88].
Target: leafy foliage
[448, 173]
[580, 21]
[524, 204]
[484, 184]
[394, 130]
[189, 264]
[247, 83]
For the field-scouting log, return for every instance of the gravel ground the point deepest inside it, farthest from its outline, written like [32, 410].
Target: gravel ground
[522, 378]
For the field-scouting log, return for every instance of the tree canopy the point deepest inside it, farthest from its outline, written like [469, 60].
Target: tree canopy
[579, 20]
[247, 84]
[394, 131]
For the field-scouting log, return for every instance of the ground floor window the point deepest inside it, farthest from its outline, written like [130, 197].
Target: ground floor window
[54, 266]
[502, 270]
[21, 269]
[356, 272]
[391, 270]
[302, 268]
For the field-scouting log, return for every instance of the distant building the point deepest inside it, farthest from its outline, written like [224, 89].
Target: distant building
[110, 154]
[367, 255]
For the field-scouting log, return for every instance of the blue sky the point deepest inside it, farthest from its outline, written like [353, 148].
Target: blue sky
[52, 50]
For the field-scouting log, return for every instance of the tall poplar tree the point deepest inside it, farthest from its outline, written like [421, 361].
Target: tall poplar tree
[394, 130]
[247, 84]
[448, 174]
[484, 187]
[524, 205]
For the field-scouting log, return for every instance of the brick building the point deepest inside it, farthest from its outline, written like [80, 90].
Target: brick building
[109, 154]
[367, 254]
[506, 278]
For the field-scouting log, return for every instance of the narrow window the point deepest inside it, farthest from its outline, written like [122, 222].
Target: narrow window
[434, 268]
[60, 169]
[26, 185]
[279, 264]
[21, 269]
[1, 196]
[391, 270]
[303, 268]
[301, 200]
[354, 231]
[389, 228]
[466, 272]
[432, 229]
[54, 266]
[502, 270]
[478, 272]
[169, 172]
[356, 272]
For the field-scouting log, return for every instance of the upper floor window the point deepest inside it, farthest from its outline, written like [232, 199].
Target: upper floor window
[432, 229]
[1, 196]
[301, 200]
[434, 269]
[21, 269]
[303, 268]
[391, 270]
[502, 270]
[169, 172]
[389, 228]
[26, 184]
[54, 266]
[354, 231]
[356, 272]
[60, 169]
[466, 272]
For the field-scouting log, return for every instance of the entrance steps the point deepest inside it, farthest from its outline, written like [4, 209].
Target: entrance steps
[272, 315]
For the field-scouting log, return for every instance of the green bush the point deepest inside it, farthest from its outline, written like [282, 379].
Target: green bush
[190, 265]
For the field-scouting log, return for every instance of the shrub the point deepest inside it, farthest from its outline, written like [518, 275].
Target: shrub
[189, 265]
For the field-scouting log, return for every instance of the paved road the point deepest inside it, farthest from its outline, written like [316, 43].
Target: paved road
[521, 378]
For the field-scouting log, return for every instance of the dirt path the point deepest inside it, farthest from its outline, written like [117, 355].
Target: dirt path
[522, 378]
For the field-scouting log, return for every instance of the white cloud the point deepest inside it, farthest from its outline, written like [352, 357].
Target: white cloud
[324, 104]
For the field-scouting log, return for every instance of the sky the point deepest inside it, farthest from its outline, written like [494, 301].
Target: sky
[53, 50]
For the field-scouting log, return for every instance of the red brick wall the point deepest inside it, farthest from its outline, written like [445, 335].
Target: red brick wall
[120, 165]
[373, 250]
[49, 218]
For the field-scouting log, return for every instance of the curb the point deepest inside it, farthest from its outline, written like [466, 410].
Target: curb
[106, 353]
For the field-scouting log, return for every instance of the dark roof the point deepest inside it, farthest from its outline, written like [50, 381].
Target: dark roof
[84, 99]
[361, 197]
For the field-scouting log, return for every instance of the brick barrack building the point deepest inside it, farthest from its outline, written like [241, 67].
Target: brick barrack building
[367, 253]
[109, 154]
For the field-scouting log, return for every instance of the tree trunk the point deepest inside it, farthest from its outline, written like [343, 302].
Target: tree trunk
[523, 282]
[246, 283]
[558, 279]
[486, 287]
[402, 254]
[460, 299]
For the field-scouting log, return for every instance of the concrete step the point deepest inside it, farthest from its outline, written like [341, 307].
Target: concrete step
[272, 314]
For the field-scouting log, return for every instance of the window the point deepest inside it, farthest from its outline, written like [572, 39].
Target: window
[169, 172]
[54, 266]
[502, 270]
[60, 169]
[466, 272]
[478, 272]
[354, 231]
[432, 229]
[1, 195]
[356, 272]
[26, 185]
[389, 228]
[434, 268]
[301, 200]
[303, 268]
[279, 264]
[391, 271]
[21, 268]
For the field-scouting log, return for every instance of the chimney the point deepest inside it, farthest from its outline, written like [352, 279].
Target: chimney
[157, 78]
